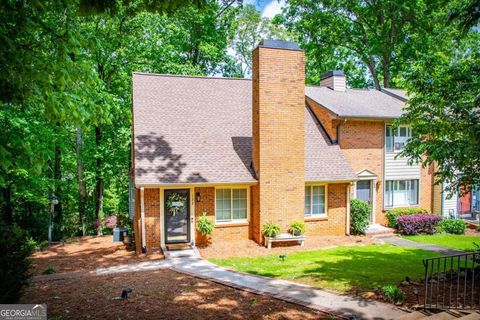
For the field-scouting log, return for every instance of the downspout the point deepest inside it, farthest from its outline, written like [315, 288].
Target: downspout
[347, 227]
[142, 217]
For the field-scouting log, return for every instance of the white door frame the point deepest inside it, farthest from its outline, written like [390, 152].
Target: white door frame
[368, 175]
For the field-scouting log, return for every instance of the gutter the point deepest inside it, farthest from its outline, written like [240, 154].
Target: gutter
[183, 184]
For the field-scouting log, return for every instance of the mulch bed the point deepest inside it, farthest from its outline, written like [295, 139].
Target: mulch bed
[86, 254]
[161, 294]
[249, 248]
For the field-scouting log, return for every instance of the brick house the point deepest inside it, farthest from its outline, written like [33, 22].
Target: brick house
[245, 152]
[359, 121]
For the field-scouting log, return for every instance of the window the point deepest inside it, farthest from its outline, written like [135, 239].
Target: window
[395, 140]
[401, 193]
[315, 200]
[231, 205]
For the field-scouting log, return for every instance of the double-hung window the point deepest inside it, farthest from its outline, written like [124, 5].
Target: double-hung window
[395, 139]
[400, 193]
[231, 205]
[315, 201]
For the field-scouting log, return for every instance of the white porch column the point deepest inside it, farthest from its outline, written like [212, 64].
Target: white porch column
[374, 199]
[348, 210]
[142, 215]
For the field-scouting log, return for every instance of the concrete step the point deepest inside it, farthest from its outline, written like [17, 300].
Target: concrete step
[441, 316]
[471, 316]
[413, 316]
[376, 230]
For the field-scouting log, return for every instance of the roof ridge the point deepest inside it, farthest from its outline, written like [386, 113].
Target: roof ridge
[186, 76]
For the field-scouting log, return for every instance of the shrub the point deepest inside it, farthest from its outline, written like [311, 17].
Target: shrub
[454, 226]
[418, 223]
[48, 270]
[393, 214]
[393, 294]
[96, 224]
[297, 228]
[359, 216]
[204, 225]
[15, 264]
[270, 229]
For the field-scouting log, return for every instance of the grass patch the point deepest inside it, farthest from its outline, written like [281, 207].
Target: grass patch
[455, 241]
[343, 269]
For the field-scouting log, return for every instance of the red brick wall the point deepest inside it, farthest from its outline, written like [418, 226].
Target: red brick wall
[328, 120]
[152, 219]
[278, 153]
[335, 222]
[362, 143]
[220, 233]
[426, 188]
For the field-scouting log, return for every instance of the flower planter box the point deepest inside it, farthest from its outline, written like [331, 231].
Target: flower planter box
[283, 237]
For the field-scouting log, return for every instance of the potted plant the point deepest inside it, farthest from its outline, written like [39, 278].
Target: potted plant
[270, 229]
[205, 227]
[297, 228]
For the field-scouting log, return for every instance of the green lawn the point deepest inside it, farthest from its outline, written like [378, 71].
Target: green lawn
[455, 241]
[343, 269]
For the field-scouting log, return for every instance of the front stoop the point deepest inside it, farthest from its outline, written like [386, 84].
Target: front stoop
[190, 252]
[378, 230]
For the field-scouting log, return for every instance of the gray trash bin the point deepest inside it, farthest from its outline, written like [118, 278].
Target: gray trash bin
[118, 234]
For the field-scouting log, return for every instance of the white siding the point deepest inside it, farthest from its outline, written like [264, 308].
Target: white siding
[449, 203]
[398, 169]
[337, 83]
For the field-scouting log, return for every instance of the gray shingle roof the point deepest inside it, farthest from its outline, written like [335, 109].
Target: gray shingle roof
[357, 103]
[198, 130]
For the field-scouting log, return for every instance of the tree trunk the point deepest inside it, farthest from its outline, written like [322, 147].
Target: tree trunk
[373, 72]
[82, 188]
[57, 176]
[7, 204]
[99, 181]
[386, 71]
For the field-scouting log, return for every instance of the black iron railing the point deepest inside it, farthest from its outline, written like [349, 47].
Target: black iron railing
[453, 282]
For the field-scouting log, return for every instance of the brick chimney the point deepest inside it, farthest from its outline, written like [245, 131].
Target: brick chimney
[278, 149]
[335, 80]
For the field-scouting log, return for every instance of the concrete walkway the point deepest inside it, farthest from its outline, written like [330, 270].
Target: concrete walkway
[402, 242]
[343, 305]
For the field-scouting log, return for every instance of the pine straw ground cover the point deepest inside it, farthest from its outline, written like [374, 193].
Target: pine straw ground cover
[162, 294]
[86, 254]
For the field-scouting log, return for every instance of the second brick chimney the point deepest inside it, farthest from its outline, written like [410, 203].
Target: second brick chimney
[278, 148]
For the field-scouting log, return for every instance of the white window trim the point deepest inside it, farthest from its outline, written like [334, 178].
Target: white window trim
[232, 221]
[402, 205]
[316, 215]
[409, 130]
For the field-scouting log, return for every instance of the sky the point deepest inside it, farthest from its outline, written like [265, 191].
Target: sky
[268, 8]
